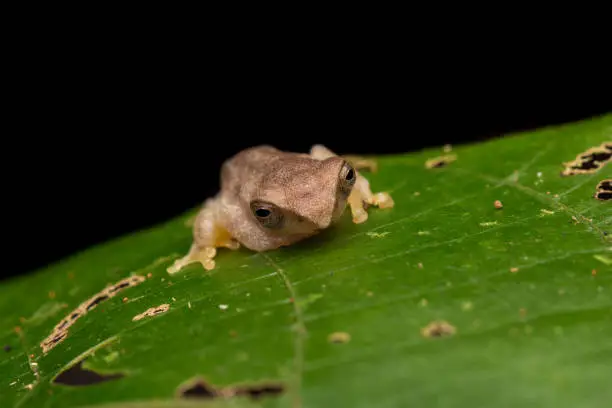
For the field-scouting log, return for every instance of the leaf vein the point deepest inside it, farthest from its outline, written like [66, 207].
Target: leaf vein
[300, 332]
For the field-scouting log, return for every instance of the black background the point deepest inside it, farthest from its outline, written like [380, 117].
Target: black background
[97, 156]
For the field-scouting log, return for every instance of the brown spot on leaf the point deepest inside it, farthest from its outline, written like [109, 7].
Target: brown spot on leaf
[498, 204]
[604, 190]
[76, 376]
[589, 161]
[259, 391]
[96, 301]
[605, 185]
[514, 270]
[198, 388]
[153, 311]
[339, 337]
[60, 331]
[51, 342]
[438, 329]
[440, 161]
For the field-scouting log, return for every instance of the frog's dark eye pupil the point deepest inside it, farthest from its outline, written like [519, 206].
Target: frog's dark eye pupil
[350, 174]
[262, 212]
[267, 214]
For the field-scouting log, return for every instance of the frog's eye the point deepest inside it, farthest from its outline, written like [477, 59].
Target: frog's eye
[262, 213]
[267, 214]
[348, 176]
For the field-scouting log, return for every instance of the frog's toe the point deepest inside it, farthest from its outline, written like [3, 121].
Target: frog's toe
[202, 255]
[360, 217]
[383, 200]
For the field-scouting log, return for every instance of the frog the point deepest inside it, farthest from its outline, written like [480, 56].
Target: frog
[271, 198]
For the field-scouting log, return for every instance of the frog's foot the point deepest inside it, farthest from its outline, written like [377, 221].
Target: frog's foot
[361, 197]
[205, 256]
[209, 234]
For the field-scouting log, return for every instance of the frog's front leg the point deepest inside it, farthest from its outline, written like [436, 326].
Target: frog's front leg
[361, 196]
[208, 235]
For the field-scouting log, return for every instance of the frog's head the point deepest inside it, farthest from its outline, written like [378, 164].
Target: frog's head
[303, 195]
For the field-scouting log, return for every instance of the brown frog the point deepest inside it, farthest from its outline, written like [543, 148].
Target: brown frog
[271, 198]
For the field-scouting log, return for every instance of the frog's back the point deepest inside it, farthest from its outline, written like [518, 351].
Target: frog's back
[254, 166]
[255, 159]
[248, 167]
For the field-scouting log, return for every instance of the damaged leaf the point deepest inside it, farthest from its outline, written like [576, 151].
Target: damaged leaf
[440, 161]
[604, 190]
[199, 389]
[152, 311]
[76, 376]
[590, 161]
[445, 299]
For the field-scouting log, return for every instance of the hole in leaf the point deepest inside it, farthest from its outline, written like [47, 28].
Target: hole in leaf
[257, 392]
[438, 329]
[119, 287]
[441, 161]
[60, 331]
[56, 339]
[598, 157]
[77, 376]
[153, 311]
[605, 185]
[96, 301]
[604, 190]
[586, 165]
[200, 389]
[589, 161]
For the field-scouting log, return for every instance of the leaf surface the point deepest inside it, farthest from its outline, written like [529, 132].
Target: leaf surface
[526, 289]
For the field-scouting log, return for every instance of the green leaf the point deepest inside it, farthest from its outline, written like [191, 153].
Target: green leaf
[340, 319]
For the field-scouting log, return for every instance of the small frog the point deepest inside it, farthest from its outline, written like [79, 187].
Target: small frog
[271, 198]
